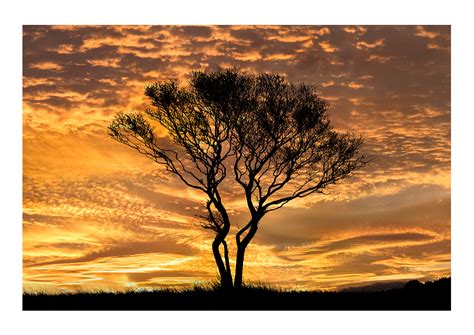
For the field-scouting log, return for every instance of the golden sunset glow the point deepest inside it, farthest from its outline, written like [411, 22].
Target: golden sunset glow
[96, 214]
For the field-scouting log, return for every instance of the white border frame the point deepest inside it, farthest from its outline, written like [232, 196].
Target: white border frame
[237, 12]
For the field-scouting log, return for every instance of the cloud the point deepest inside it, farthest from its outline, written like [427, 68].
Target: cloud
[47, 66]
[369, 45]
[377, 58]
[426, 207]
[163, 245]
[422, 32]
[146, 276]
[368, 241]
[327, 47]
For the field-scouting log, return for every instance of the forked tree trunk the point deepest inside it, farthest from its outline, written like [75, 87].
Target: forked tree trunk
[225, 275]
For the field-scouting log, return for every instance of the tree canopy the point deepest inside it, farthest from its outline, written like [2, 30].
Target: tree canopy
[272, 137]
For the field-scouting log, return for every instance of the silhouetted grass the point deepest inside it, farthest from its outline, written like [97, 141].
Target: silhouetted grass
[413, 296]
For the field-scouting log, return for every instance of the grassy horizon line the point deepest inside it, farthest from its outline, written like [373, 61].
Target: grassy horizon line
[214, 285]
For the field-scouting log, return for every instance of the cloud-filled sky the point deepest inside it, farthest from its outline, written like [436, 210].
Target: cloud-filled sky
[97, 214]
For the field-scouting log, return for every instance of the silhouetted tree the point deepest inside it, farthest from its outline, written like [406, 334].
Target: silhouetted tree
[273, 137]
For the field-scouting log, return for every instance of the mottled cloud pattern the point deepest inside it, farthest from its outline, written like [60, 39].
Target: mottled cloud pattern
[97, 214]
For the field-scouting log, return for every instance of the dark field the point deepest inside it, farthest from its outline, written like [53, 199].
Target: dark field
[412, 296]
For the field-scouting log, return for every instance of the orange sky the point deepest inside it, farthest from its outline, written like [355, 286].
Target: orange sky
[97, 214]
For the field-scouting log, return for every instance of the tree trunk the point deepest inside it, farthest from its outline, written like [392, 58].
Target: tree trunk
[241, 246]
[227, 263]
[225, 276]
[239, 266]
[224, 269]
